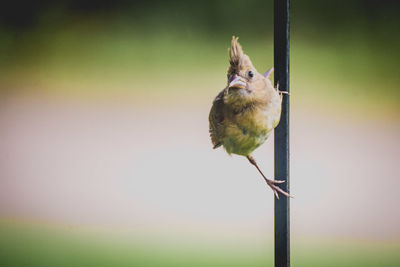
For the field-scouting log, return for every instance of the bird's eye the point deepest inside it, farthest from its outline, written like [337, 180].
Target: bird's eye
[251, 74]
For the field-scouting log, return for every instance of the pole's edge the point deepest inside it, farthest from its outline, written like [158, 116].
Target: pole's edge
[281, 136]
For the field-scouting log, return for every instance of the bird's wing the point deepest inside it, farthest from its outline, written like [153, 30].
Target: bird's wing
[216, 119]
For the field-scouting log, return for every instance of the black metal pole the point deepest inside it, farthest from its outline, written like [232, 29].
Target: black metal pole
[281, 142]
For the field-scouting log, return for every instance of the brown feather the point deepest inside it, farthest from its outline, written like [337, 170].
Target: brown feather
[216, 119]
[238, 60]
[235, 52]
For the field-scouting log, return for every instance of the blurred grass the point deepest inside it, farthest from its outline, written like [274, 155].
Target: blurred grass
[348, 72]
[32, 244]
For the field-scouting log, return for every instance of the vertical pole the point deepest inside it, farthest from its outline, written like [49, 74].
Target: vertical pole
[281, 141]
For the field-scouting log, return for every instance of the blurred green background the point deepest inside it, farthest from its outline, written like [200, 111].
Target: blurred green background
[104, 150]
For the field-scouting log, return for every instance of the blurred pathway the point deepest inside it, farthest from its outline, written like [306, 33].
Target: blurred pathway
[118, 164]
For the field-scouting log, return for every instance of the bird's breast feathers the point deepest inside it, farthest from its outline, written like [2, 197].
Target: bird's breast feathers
[250, 129]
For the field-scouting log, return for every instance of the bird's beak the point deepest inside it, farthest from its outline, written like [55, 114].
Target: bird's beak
[237, 83]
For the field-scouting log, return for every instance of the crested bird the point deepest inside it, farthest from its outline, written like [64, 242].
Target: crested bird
[246, 111]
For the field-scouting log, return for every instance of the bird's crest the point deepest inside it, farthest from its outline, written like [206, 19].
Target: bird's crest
[235, 52]
[237, 58]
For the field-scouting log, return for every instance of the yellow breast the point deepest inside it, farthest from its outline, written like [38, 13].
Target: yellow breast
[248, 130]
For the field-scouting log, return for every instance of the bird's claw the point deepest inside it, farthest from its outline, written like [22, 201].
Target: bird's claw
[271, 183]
[281, 92]
[277, 189]
[284, 92]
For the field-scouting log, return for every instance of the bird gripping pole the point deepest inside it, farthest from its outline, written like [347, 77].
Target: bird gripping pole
[281, 141]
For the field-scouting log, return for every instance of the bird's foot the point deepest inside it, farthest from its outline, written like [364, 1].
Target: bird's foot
[276, 189]
[283, 92]
[271, 183]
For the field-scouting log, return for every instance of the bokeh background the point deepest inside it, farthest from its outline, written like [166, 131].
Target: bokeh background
[105, 158]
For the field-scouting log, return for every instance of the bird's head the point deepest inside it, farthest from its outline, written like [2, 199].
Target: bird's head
[245, 84]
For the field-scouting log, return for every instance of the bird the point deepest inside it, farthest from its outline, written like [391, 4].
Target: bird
[246, 111]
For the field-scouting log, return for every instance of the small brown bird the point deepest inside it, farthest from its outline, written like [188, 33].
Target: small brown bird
[244, 114]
